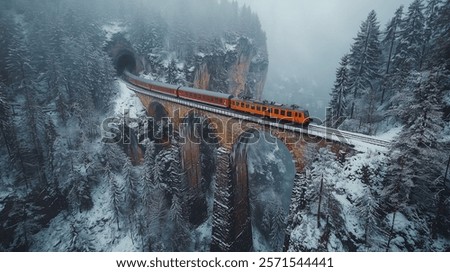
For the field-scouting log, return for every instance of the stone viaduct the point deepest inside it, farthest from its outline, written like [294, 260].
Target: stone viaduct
[232, 230]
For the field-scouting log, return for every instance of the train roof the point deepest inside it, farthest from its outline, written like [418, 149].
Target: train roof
[187, 89]
[272, 104]
[157, 83]
[206, 92]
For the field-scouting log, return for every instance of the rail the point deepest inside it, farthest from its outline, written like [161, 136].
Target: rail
[327, 133]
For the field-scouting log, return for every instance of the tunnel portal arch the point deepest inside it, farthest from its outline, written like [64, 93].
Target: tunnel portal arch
[125, 60]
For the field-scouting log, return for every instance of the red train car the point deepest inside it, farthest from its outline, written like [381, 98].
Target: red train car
[203, 96]
[151, 85]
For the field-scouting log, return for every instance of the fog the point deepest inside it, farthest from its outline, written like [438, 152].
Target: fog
[306, 39]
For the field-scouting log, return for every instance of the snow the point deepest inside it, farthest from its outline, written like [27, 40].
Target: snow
[391, 134]
[230, 47]
[406, 230]
[200, 54]
[113, 28]
[307, 233]
[95, 228]
[364, 147]
[127, 101]
[180, 65]
[124, 245]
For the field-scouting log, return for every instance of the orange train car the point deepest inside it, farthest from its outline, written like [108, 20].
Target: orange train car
[273, 111]
[269, 110]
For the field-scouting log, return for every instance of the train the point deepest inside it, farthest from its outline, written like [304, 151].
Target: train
[262, 109]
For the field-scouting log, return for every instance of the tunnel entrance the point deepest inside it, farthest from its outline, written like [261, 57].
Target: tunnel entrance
[125, 61]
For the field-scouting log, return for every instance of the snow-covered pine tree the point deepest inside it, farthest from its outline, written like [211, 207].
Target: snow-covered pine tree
[18, 60]
[391, 36]
[83, 192]
[172, 72]
[159, 169]
[368, 209]
[26, 219]
[181, 236]
[50, 138]
[440, 50]
[34, 119]
[340, 91]
[278, 226]
[320, 188]
[6, 34]
[116, 194]
[148, 181]
[389, 44]
[5, 122]
[423, 129]
[416, 160]
[408, 54]
[364, 61]
[176, 178]
[431, 14]
[114, 155]
[132, 193]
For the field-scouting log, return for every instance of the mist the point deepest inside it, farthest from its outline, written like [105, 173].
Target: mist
[306, 40]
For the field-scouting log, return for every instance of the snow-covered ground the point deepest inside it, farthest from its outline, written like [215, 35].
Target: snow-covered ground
[113, 28]
[127, 101]
[390, 135]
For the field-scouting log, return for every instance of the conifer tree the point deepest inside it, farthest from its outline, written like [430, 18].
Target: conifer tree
[408, 53]
[390, 43]
[364, 60]
[340, 92]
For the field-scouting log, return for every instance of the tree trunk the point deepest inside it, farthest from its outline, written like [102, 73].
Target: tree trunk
[320, 202]
[390, 232]
[6, 143]
[446, 171]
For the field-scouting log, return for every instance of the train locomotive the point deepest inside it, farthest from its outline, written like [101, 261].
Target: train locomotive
[268, 110]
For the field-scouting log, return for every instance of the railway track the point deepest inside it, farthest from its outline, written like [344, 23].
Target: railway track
[331, 134]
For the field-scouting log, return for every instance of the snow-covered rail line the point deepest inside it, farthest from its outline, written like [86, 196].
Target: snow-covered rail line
[331, 134]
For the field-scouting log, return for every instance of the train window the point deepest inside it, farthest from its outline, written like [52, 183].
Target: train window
[247, 106]
[277, 111]
[253, 107]
[264, 108]
[289, 113]
[242, 104]
[283, 112]
[258, 108]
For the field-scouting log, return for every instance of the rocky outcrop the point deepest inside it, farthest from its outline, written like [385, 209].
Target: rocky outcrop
[239, 69]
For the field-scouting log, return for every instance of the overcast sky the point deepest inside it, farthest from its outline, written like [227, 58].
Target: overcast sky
[307, 38]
